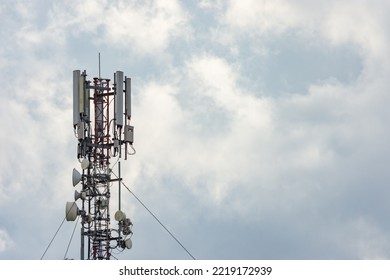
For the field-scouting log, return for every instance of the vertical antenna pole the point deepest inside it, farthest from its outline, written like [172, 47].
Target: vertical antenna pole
[99, 66]
[120, 183]
[82, 243]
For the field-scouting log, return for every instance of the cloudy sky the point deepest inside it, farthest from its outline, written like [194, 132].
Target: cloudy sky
[261, 127]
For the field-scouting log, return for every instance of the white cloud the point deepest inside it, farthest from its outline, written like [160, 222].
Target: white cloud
[146, 28]
[360, 23]
[5, 241]
[210, 4]
[362, 238]
[261, 16]
[216, 79]
[179, 138]
[337, 22]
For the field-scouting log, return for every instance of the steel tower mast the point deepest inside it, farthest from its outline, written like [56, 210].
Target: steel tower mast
[101, 122]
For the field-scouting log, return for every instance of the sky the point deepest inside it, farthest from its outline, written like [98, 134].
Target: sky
[261, 127]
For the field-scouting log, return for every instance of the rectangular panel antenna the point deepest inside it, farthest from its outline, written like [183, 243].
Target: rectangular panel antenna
[76, 94]
[119, 98]
[82, 94]
[128, 98]
[87, 103]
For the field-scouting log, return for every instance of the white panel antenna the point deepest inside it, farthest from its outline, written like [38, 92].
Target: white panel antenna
[119, 98]
[76, 97]
[128, 97]
[82, 94]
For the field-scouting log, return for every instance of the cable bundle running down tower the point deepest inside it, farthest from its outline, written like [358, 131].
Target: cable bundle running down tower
[101, 122]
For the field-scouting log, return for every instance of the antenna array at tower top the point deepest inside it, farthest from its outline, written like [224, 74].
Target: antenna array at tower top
[101, 122]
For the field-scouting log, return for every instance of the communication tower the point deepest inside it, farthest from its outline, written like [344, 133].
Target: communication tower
[101, 122]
